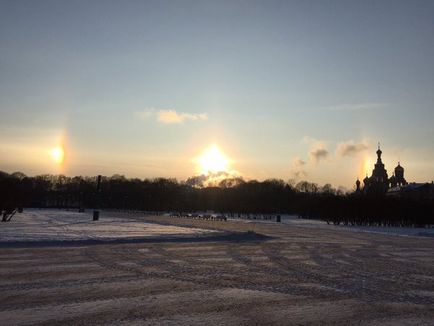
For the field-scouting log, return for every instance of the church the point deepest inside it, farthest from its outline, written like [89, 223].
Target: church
[379, 182]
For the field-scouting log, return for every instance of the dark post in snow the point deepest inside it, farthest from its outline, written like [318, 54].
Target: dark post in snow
[80, 197]
[80, 202]
[98, 198]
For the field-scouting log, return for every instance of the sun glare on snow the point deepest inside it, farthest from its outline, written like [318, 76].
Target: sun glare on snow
[58, 154]
[212, 160]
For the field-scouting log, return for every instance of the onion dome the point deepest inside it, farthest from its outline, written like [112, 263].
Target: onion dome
[357, 185]
[366, 180]
[379, 152]
[399, 168]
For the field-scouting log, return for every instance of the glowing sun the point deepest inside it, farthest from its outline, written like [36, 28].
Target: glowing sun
[212, 160]
[58, 154]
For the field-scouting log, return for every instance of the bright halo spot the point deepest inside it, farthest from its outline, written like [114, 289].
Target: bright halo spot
[365, 167]
[57, 154]
[213, 160]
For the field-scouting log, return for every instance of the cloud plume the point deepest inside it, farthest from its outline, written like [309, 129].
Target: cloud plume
[297, 167]
[222, 178]
[318, 154]
[318, 149]
[351, 148]
[170, 116]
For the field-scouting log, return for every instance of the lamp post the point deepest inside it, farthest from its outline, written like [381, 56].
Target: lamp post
[98, 199]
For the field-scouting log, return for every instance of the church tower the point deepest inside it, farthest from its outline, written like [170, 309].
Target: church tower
[378, 183]
[399, 175]
[379, 174]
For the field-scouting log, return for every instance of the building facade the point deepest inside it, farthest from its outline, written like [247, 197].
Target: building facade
[379, 182]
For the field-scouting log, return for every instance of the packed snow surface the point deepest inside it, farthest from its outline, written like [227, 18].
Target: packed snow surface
[302, 272]
[60, 225]
[293, 220]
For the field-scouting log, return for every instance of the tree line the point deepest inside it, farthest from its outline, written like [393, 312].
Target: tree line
[230, 195]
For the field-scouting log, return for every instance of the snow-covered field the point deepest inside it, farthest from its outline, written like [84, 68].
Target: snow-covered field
[302, 272]
[403, 231]
[293, 220]
[61, 225]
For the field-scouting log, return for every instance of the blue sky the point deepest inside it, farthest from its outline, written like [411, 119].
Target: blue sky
[271, 82]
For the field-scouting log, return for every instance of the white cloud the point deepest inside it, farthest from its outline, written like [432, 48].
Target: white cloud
[170, 116]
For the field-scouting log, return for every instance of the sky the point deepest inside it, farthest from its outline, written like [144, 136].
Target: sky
[300, 90]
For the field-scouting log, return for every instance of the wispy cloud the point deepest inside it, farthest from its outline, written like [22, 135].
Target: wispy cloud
[358, 106]
[298, 163]
[297, 167]
[351, 148]
[145, 114]
[318, 154]
[215, 179]
[170, 116]
[318, 149]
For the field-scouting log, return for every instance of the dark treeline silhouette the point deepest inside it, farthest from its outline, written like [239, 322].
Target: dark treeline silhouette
[230, 195]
